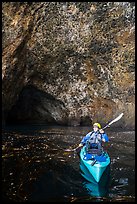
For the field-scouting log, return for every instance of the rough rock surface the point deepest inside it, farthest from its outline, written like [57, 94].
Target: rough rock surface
[68, 63]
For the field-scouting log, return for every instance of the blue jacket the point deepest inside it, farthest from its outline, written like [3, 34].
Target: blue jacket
[88, 136]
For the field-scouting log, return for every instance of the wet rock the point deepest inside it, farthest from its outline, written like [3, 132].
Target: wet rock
[81, 53]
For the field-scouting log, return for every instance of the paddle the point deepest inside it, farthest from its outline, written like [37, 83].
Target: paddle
[113, 121]
[75, 149]
[108, 125]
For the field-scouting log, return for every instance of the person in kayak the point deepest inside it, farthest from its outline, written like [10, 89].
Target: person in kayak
[93, 140]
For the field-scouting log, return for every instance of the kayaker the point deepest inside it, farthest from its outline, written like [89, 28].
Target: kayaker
[93, 140]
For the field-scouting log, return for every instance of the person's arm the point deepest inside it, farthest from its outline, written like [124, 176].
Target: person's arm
[104, 136]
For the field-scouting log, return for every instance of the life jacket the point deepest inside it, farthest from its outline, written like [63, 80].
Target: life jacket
[94, 143]
[95, 137]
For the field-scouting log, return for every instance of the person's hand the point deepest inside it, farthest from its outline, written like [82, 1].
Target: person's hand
[101, 131]
[80, 145]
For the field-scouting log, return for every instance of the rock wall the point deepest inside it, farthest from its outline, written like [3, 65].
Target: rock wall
[81, 55]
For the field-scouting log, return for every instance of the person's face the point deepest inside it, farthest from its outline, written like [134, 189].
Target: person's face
[95, 128]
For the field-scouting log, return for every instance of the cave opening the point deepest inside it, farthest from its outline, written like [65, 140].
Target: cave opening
[35, 106]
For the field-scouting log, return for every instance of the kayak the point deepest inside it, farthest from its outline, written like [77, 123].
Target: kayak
[95, 165]
[97, 189]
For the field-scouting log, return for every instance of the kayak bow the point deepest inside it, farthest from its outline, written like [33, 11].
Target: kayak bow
[95, 169]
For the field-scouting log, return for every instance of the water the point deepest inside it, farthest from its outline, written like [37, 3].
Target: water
[36, 166]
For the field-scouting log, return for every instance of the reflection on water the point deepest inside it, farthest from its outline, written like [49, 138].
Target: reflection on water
[94, 188]
[37, 167]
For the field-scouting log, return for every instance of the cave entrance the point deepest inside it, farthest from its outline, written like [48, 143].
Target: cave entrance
[36, 106]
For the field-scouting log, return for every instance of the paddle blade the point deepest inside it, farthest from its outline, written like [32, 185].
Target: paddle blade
[116, 119]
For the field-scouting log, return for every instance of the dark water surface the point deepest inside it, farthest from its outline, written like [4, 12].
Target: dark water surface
[37, 167]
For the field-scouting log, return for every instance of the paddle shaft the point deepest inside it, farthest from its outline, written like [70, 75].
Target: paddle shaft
[77, 149]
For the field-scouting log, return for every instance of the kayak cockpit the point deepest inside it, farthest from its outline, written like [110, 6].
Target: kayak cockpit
[94, 163]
